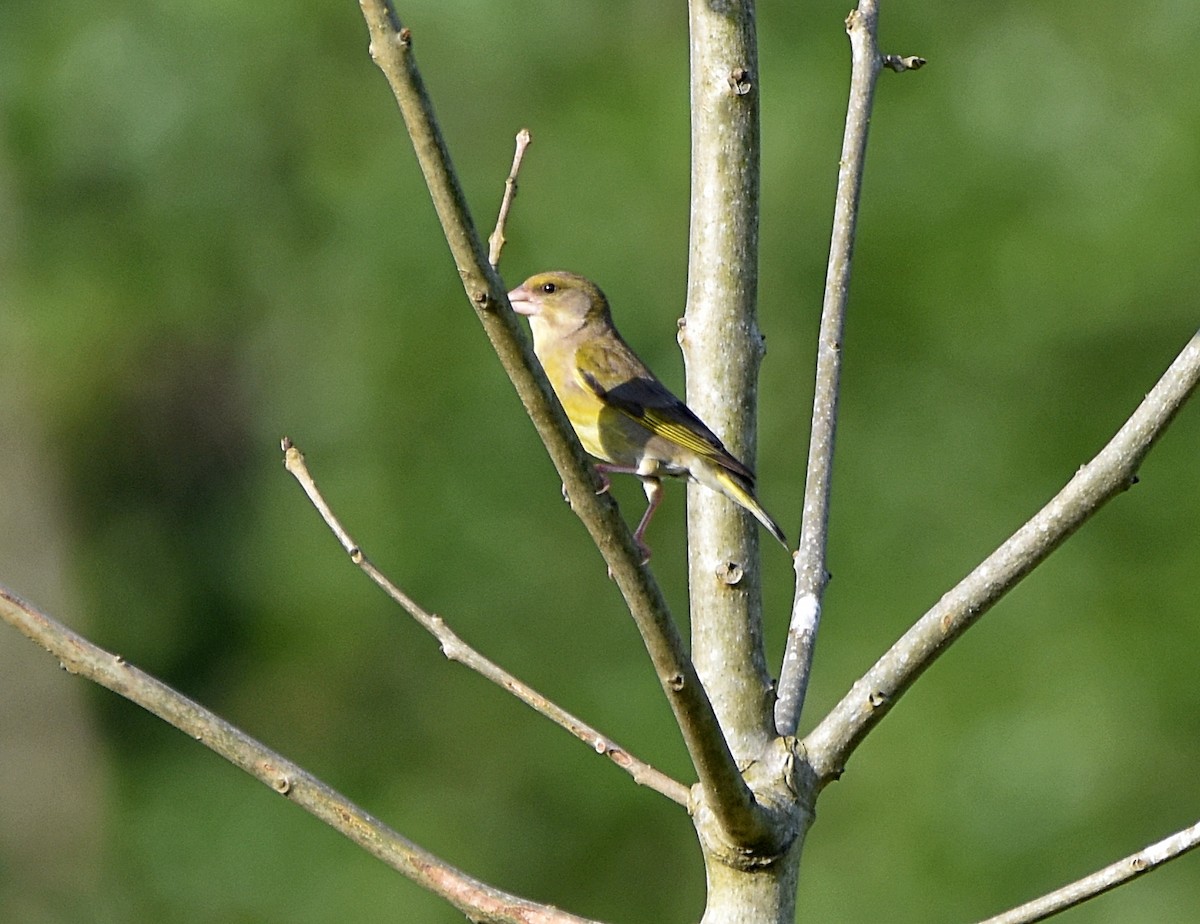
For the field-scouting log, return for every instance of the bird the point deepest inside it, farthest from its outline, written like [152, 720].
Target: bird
[622, 414]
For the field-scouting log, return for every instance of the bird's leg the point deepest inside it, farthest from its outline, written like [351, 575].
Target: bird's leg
[653, 489]
[650, 484]
[603, 469]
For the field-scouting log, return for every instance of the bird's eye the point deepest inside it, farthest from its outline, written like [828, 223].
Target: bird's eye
[549, 288]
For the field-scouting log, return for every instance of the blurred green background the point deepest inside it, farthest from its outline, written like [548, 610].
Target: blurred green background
[213, 233]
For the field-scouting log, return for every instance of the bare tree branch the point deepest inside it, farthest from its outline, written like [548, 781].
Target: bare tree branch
[811, 572]
[455, 649]
[77, 655]
[391, 49]
[723, 350]
[496, 240]
[1101, 881]
[1114, 470]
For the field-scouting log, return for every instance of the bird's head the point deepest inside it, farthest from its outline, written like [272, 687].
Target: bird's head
[559, 302]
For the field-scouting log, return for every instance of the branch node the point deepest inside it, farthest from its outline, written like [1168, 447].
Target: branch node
[731, 573]
[280, 781]
[901, 63]
[740, 81]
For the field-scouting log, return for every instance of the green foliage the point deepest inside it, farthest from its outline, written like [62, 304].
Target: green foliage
[212, 234]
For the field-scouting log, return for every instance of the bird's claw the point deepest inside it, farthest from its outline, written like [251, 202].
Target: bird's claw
[641, 547]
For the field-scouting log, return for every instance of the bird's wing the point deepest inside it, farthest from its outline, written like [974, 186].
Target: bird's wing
[645, 399]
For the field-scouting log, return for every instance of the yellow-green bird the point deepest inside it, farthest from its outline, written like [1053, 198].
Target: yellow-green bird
[621, 412]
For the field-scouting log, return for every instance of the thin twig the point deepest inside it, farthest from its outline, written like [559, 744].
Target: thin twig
[811, 572]
[391, 49]
[496, 240]
[455, 649]
[1112, 471]
[1101, 881]
[77, 655]
[899, 63]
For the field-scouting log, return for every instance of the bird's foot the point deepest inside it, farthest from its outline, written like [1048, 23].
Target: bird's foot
[642, 548]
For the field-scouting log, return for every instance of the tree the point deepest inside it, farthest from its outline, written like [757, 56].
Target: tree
[785, 774]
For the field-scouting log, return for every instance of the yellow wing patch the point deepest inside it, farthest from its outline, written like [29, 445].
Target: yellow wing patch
[648, 402]
[664, 423]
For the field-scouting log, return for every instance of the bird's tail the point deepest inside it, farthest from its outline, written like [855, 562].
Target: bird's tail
[740, 491]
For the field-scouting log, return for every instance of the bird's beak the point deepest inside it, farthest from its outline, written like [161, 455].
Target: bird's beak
[522, 301]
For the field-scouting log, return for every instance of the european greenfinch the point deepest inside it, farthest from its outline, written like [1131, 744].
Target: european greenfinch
[621, 412]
